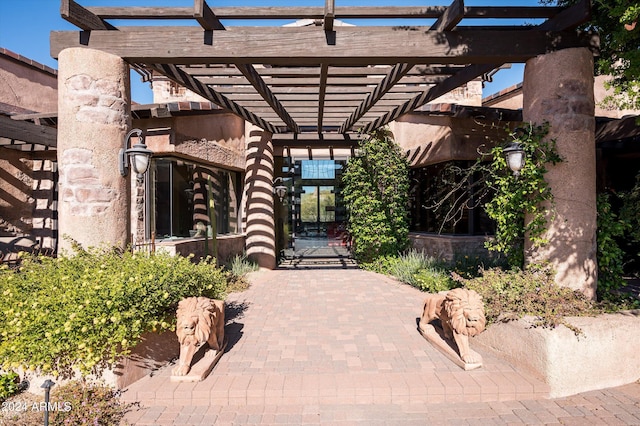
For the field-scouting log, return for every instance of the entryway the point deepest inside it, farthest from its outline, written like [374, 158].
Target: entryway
[315, 217]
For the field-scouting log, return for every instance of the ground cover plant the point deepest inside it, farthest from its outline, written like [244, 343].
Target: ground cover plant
[77, 403]
[414, 268]
[8, 384]
[515, 293]
[85, 311]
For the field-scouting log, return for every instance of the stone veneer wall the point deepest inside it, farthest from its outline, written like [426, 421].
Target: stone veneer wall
[94, 117]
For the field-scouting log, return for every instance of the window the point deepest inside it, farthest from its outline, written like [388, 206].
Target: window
[443, 199]
[185, 198]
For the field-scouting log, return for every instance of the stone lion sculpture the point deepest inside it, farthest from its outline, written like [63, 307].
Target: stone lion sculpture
[461, 313]
[200, 320]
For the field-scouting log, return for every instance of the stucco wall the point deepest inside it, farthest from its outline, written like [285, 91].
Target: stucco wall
[443, 138]
[26, 86]
[603, 355]
[604, 109]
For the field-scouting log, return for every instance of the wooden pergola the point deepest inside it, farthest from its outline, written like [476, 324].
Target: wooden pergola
[322, 80]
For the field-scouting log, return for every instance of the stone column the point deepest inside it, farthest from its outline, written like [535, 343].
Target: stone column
[260, 227]
[558, 88]
[93, 119]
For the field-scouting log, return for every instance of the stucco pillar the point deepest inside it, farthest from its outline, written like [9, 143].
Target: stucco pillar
[93, 119]
[260, 225]
[558, 88]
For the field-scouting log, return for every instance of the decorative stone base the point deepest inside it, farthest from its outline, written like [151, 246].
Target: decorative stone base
[435, 336]
[203, 362]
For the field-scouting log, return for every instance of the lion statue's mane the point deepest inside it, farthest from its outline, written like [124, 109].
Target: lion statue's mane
[200, 320]
[461, 314]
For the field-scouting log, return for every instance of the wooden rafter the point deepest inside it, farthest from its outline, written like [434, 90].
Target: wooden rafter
[176, 74]
[322, 92]
[579, 13]
[28, 133]
[261, 87]
[329, 15]
[447, 21]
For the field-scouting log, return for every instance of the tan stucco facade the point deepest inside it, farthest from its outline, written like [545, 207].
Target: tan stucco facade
[27, 84]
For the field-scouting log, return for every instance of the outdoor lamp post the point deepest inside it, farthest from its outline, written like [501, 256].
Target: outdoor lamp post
[138, 156]
[514, 154]
[279, 190]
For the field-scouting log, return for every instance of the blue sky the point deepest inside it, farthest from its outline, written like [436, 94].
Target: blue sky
[25, 26]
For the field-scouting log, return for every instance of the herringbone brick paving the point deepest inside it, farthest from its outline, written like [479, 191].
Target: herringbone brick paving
[328, 345]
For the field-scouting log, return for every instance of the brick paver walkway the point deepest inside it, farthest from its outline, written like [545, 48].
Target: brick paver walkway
[340, 346]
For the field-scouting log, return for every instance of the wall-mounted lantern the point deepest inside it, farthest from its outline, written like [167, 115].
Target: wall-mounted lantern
[280, 190]
[138, 156]
[514, 154]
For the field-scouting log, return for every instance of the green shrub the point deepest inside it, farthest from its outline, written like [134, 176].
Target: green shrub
[433, 280]
[86, 404]
[515, 293]
[88, 310]
[470, 266]
[8, 384]
[381, 264]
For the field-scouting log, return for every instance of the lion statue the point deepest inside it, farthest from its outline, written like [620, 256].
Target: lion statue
[461, 313]
[200, 321]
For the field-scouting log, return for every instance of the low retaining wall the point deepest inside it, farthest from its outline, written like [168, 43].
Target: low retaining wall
[445, 247]
[228, 246]
[605, 355]
[153, 352]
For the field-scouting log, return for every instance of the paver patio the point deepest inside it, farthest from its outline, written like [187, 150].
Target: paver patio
[340, 345]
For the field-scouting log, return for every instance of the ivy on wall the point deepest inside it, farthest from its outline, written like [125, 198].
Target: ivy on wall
[376, 186]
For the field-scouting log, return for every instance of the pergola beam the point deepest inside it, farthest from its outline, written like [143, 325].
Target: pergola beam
[355, 46]
[82, 17]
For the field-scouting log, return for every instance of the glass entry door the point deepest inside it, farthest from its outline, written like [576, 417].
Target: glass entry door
[317, 210]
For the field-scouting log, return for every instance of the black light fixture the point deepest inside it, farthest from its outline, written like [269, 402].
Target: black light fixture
[514, 155]
[280, 190]
[138, 156]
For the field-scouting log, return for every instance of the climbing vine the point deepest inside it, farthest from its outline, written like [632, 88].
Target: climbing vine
[376, 184]
[610, 255]
[527, 194]
[507, 198]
